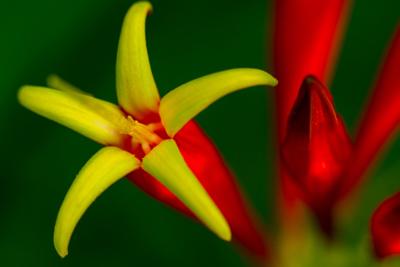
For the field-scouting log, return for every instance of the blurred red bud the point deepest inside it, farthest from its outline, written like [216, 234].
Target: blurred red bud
[316, 148]
[385, 228]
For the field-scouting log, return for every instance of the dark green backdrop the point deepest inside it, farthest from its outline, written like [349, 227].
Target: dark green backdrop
[186, 39]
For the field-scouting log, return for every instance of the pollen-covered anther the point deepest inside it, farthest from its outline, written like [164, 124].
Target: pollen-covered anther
[156, 126]
[142, 134]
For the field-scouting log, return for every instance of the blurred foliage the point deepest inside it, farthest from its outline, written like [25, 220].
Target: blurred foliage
[186, 39]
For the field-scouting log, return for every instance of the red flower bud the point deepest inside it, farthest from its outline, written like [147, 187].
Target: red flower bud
[385, 228]
[316, 148]
[306, 40]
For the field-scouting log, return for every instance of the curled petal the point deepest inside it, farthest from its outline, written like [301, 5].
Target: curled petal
[136, 89]
[186, 101]
[385, 227]
[166, 164]
[381, 118]
[106, 167]
[93, 118]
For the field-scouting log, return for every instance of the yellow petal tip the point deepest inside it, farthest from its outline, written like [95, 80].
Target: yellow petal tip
[22, 94]
[274, 81]
[264, 77]
[146, 4]
[61, 251]
[105, 168]
[51, 79]
[225, 233]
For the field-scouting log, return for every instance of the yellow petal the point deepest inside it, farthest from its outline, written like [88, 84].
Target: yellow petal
[136, 88]
[69, 110]
[56, 82]
[186, 101]
[167, 165]
[106, 109]
[105, 168]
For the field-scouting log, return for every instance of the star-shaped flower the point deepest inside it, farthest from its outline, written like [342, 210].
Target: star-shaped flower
[153, 141]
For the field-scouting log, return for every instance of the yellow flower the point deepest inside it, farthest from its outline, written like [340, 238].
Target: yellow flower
[139, 133]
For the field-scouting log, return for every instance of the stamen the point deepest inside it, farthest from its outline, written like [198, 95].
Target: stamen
[155, 126]
[142, 134]
[146, 148]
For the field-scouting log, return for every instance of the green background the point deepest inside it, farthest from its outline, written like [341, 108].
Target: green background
[186, 39]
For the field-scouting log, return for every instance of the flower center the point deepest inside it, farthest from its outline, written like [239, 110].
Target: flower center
[143, 135]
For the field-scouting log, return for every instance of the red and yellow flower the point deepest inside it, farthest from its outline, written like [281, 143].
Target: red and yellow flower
[152, 141]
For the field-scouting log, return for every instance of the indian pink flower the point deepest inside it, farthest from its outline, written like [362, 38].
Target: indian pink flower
[319, 164]
[152, 141]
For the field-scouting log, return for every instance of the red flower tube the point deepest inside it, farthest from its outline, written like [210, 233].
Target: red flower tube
[381, 117]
